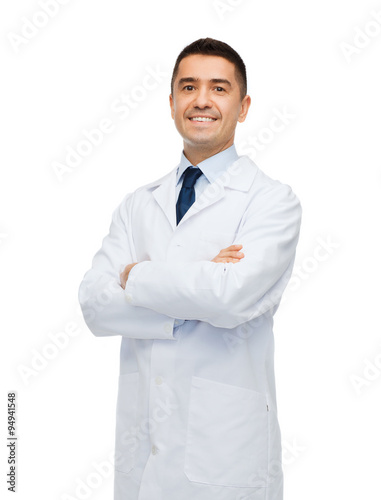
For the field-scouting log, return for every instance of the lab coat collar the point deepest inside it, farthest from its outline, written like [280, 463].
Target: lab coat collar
[213, 167]
[239, 175]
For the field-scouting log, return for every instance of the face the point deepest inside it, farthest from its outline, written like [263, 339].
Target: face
[206, 104]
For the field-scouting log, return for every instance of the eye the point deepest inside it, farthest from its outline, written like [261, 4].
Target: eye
[220, 89]
[188, 87]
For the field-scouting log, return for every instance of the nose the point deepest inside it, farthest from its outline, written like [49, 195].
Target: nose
[202, 99]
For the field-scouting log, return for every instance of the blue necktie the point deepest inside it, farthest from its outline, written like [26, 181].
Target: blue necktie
[187, 195]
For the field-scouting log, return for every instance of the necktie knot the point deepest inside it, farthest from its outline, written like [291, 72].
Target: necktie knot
[191, 175]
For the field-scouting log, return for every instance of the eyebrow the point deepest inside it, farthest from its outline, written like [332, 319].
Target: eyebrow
[190, 79]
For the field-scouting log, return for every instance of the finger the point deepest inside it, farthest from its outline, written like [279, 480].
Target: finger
[226, 259]
[122, 280]
[231, 253]
[237, 255]
[233, 247]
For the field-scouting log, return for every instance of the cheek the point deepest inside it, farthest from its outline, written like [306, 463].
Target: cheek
[179, 121]
[178, 117]
[230, 116]
[179, 111]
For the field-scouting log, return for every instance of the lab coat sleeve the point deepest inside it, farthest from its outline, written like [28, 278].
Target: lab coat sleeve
[227, 295]
[102, 299]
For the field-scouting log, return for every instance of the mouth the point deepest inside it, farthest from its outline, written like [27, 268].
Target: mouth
[202, 119]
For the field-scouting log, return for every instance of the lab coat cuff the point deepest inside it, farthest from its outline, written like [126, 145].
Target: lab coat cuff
[166, 324]
[130, 285]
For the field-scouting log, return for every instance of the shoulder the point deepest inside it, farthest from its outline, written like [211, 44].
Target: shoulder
[156, 183]
[266, 191]
[262, 180]
[140, 192]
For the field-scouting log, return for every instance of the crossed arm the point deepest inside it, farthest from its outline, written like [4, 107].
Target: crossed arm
[144, 303]
[229, 254]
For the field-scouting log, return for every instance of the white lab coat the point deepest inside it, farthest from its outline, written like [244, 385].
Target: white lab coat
[196, 409]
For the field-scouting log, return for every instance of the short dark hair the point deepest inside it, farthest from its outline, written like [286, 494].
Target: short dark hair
[212, 47]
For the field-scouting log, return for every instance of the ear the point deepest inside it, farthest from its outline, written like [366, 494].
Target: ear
[245, 105]
[172, 105]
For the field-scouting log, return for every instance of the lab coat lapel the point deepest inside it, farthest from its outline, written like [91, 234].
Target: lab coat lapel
[164, 194]
[210, 195]
[239, 176]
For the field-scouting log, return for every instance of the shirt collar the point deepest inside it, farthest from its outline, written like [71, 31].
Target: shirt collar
[213, 167]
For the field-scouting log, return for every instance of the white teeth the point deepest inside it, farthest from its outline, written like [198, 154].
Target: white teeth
[202, 119]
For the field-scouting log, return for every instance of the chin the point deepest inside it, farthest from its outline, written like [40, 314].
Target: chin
[200, 141]
[201, 138]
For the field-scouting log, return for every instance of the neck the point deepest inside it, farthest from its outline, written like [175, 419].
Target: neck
[197, 154]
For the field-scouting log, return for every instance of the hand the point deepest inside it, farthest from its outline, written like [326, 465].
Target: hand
[124, 274]
[230, 254]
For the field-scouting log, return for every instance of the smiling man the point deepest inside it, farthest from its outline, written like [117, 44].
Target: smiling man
[208, 98]
[190, 276]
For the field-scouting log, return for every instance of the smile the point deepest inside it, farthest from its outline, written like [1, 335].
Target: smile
[202, 119]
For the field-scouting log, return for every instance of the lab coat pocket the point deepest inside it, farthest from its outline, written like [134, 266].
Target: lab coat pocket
[126, 418]
[227, 435]
[210, 243]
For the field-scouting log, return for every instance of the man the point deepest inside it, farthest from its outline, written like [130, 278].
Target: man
[190, 275]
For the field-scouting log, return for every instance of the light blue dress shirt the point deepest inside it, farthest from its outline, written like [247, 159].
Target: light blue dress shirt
[211, 169]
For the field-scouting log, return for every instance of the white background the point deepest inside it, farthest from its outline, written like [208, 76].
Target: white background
[64, 79]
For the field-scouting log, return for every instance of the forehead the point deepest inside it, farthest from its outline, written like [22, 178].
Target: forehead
[206, 68]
